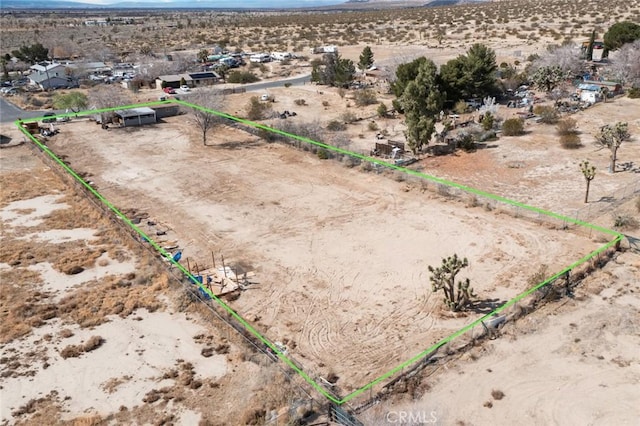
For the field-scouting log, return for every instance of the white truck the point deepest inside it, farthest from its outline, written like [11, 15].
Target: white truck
[324, 49]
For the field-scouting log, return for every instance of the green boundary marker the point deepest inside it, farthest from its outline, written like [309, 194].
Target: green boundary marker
[617, 236]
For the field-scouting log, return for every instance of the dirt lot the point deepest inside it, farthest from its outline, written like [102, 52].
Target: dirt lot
[346, 251]
[94, 332]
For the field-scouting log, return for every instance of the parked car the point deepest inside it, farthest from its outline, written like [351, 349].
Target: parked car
[50, 118]
[169, 90]
[184, 88]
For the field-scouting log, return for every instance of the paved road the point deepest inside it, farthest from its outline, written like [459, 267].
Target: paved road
[10, 113]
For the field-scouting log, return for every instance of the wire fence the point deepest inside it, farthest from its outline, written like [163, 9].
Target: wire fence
[367, 395]
[305, 396]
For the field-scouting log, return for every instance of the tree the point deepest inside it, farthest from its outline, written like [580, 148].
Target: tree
[257, 110]
[421, 101]
[589, 172]
[203, 55]
[620, 34]
[4, 60]
[472, 75]
[406, 73]
[548, 77]
[112, 96]
[382, 110]
[74, 101]
[488, 121]
[32, 54]
[611, 137]
[333, 70]
[204, 117]
[566, 57]
[457, 295]
[480, 67]
[592, 40]
[625, 64]
[366, 59]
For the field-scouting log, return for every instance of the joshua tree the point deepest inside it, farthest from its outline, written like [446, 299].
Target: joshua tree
[589, 173]
[612, 137]
[456, 295]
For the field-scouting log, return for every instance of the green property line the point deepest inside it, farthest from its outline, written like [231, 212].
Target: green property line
[248, 327]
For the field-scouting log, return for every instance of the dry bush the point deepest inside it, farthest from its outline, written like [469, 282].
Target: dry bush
[71, 351]
[513, 127]
[566, 126]
[93, 343]
[570, 141]
[365, 97]
[497, 394]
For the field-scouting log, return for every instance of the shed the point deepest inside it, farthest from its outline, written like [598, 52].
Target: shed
[166, 110]
[136, 116]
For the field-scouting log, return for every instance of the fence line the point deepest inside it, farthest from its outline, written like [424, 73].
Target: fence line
[441, 186]
[184, 281]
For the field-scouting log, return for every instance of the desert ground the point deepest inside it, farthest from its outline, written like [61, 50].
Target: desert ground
[346, 250]
[95, 330]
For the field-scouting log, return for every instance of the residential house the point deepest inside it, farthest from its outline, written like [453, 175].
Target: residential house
[51, 75]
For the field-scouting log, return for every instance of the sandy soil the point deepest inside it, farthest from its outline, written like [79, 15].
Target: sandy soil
[110, 341]
[574, 362]
[345, 250]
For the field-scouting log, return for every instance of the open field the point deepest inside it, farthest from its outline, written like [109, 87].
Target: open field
[344, 250]
[94, 332]
[573, 362]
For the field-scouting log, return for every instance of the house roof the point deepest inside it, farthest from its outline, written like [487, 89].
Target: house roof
[589, 87]
[90, 65]
[45, 66]
[175, 77]
[134, 112]
[203, 75]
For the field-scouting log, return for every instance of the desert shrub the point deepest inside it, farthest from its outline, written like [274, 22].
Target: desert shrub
[382, 110]
[497, 394]
[342, 92]
[570, 141]
[287, 85]
[513, 127]
[538, 276]
[460, 107]
[325, 103]
[566, 126]
[634, 93]
[365, 97]
[487, 136]
[466, 143]
[93, 343]
[625, 222]
[242, 77]
[71, 351]
[487, 121]
[322, 154]
[336, 126]
[349, 117]
[548, 114]
[372, 126]
[300, 102]
[257, 110]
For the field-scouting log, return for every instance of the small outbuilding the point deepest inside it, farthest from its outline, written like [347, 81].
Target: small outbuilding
[135, 117]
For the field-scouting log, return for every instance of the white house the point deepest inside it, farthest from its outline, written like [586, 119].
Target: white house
[51, 75]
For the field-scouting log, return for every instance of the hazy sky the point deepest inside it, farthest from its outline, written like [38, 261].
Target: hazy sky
[223, 3]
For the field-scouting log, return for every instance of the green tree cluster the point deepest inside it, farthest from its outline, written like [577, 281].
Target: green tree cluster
[421, 91]
[333, 70]
[621, 33]
[472, 75]
[32, 54]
